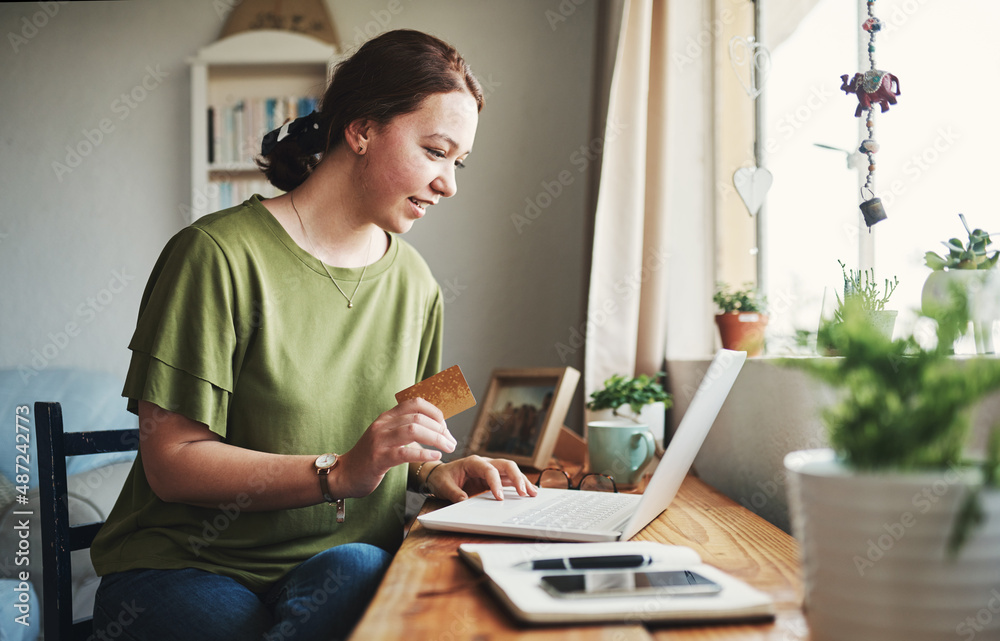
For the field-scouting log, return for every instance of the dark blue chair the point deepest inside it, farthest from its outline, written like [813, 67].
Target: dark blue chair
[59, 538]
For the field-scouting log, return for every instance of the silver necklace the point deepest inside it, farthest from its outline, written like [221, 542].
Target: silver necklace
[350, 300]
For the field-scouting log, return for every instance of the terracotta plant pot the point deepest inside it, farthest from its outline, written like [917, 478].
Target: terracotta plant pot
[742, 331]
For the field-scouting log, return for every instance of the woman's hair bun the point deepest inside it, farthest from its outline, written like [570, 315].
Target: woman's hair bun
[388, 76]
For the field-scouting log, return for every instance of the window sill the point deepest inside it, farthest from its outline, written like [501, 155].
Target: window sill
[772, 410]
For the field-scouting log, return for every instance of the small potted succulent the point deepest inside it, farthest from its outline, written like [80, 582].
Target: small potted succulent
[973, 268]
[640, 399]
[973, 255]
[860, 288]
[742, 318]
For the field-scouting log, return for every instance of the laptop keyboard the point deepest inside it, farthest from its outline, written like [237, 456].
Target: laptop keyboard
[574, 511]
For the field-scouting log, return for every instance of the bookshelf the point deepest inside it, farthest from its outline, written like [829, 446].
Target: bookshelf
[238, 85]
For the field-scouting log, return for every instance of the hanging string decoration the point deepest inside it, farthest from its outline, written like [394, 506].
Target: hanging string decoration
[749, 53]
[750, 58]
[872, 87]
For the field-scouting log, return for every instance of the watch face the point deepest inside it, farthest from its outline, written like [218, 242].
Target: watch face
[326, 461]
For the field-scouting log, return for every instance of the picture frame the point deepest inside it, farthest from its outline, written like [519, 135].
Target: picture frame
[522, 414]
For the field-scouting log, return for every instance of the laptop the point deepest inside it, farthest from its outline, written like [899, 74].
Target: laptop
[558, 515]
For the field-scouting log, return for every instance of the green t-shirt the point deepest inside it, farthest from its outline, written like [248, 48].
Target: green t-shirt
[241, 329]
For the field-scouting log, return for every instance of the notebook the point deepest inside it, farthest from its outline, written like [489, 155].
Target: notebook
[553, 514]
[521, 591]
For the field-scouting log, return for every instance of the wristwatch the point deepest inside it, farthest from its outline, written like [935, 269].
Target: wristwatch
[325, 463]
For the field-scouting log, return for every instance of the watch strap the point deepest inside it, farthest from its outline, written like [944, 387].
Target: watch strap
[324, 485]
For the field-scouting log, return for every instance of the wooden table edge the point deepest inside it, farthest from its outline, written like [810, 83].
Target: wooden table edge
[428, 589]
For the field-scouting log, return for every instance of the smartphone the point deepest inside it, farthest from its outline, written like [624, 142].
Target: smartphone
[629, 583]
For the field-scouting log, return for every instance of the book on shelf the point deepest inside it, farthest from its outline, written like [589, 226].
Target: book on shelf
[507, 568]
[211, 135]
[236, 129]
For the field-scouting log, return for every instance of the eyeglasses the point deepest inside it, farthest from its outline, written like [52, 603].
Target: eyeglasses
[593, 482]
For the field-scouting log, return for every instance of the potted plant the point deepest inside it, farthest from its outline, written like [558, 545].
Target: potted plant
[869, 297]
[640, 399]
[972, 267]
[742, 318]
[899, 532]
[973, 255]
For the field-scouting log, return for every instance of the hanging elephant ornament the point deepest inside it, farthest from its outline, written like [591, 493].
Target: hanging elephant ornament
[872, 87]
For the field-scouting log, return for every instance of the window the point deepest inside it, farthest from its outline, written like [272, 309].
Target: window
[938, 154]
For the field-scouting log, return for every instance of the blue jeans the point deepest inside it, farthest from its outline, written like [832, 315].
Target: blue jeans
[321, 599]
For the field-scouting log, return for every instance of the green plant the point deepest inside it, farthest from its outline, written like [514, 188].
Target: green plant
[747, 299]
[864, 293]
[636, 392]
[973, 255]
[905, 405]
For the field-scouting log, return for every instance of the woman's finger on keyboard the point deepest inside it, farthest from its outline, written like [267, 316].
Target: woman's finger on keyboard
[511, 475]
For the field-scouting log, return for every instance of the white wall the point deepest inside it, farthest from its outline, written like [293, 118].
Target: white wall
[77, 244]
[772, 410]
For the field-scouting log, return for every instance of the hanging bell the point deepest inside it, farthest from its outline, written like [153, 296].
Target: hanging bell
[873, 211]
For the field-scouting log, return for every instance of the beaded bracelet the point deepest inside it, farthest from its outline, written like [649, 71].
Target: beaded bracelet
[416, 477]
[425, 487]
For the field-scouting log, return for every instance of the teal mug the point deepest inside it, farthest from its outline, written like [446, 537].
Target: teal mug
[620, 449]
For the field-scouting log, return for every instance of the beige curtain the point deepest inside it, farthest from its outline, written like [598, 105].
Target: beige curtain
[657, 241]
[627, 304]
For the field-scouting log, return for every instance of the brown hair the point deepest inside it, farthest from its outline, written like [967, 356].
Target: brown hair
[388, 76]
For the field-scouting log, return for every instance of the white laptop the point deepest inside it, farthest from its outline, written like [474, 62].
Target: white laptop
[572, 515]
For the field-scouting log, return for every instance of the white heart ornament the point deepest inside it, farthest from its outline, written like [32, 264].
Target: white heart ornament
[752, 184]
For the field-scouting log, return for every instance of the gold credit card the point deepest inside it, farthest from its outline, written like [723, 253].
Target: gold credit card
[447, 390]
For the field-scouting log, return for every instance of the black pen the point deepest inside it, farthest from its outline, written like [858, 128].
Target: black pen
[620, 561]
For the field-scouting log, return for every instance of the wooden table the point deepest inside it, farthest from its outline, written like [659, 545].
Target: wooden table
[429, 594]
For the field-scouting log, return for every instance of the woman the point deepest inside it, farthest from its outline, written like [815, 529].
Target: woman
[271, 339]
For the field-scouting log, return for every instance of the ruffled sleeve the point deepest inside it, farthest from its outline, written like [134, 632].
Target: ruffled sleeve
[185, 340]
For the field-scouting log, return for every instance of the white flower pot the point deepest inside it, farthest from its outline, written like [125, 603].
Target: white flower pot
[883, 320]
[983, 288]
[874, 553]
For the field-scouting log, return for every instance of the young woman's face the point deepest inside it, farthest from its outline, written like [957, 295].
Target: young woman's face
[412, 160]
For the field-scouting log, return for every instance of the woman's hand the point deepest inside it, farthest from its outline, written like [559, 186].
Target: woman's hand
[458, 479]
[387, 443]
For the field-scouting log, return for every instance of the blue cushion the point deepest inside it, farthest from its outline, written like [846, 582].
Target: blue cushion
[90, 401]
